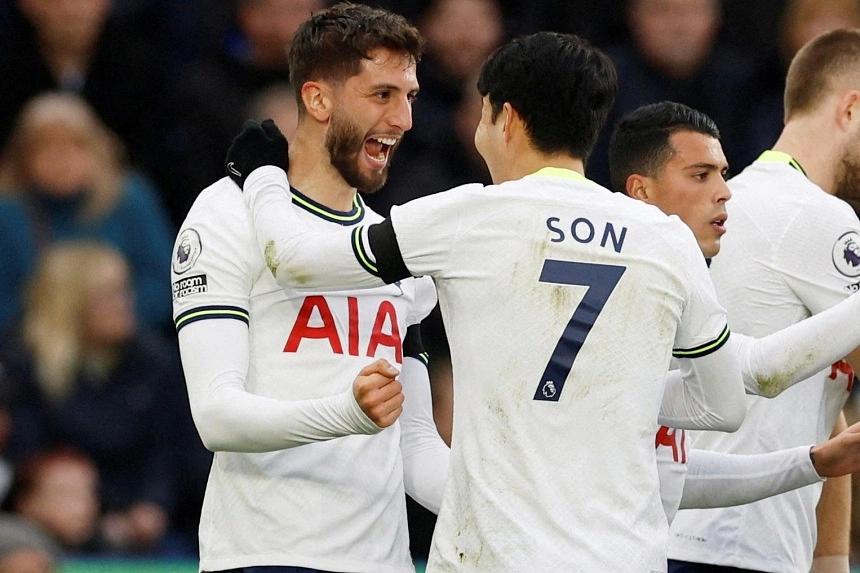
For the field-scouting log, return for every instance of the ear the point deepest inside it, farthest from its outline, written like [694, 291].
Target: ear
[509, 117]
[848, 110]
[318, 100]
[639, 187]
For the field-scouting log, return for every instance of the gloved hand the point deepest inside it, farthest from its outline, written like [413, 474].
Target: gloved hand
[256, 145]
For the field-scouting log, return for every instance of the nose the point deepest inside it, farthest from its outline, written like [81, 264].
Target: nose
[400, 115]
[723, 193]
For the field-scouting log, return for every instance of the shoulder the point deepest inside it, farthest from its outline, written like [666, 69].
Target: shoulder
[453, 196]
[221, 202]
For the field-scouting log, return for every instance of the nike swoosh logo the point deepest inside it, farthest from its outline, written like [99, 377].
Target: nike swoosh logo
[233, 170]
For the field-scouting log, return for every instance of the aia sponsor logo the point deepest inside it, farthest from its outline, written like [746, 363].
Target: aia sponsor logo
[385, 331]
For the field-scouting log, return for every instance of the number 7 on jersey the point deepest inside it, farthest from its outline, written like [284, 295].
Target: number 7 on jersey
[601, 281]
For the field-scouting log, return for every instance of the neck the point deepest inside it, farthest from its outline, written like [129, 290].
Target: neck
[66, 60]
[814, 147]
[527, 162]
[312, 173]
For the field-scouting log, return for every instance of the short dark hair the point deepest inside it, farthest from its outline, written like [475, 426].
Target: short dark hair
[640, 142]
[333, 42]
[816, 65]
[561, 86]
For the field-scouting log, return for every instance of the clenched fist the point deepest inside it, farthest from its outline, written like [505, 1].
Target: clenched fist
[378, 393]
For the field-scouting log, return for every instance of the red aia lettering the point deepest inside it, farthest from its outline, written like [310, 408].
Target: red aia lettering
[302, 330]
[846, 369]
[385, 312]
[385, 330]
[675, 439]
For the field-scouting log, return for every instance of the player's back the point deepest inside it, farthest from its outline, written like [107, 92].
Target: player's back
[562, 301]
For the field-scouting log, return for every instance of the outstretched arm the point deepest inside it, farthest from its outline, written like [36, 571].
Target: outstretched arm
[774, 363]
[716, 479]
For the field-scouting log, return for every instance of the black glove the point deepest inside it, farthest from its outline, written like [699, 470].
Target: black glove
[256, 145]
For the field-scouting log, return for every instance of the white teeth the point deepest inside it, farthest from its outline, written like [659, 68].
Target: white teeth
[386, 140]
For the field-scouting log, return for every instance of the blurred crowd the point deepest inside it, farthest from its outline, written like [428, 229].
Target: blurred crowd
[114, 114]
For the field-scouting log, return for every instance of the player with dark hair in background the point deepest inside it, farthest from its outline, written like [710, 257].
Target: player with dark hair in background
[669, 155]
[788, 254]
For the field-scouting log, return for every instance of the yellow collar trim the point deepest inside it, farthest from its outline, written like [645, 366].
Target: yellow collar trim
[560, 172]
[771, 156]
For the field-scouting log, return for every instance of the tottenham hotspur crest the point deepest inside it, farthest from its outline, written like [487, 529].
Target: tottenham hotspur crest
[188, 249]
[846, 254]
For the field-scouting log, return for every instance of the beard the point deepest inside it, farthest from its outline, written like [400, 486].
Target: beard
[848, 179]
[345, 144]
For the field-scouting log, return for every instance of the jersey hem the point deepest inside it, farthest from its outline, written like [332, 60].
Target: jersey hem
[288, 560]
[738, 562]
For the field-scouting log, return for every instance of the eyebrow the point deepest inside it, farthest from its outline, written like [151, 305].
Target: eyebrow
[390, 87]
[706, 166]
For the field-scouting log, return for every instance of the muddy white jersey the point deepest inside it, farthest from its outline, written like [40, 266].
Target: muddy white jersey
[791, 250]
[544, 283]
[335, 505]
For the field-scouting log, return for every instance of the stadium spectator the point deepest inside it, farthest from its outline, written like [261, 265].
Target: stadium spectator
[62, 178]
[58, 491]
[674, 55]
[802, 20]
[75, 46]
[455, 49]
[24, 548]
[90, 379]
[214, 95]
[278, 103]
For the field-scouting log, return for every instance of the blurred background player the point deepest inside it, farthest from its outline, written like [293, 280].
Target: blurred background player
[270, 373]
[789, 253]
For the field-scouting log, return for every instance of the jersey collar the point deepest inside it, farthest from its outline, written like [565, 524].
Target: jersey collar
[560, 172]
[771, 156]
[345, 218]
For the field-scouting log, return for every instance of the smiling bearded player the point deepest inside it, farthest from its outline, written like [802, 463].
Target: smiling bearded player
[271, 382]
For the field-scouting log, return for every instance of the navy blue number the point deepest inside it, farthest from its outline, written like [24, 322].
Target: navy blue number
[601, 281]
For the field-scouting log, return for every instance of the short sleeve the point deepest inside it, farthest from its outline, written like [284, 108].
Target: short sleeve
[704, 325]
[819, 255]
[210, 267]
[428, 227]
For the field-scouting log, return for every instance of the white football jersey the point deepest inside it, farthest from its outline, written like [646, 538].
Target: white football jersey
[563, 303]
[791, 250]
[336, 505]
[672, 446]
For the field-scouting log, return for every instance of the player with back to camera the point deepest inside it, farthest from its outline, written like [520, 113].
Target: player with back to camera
[835, 457]
[545, 280]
